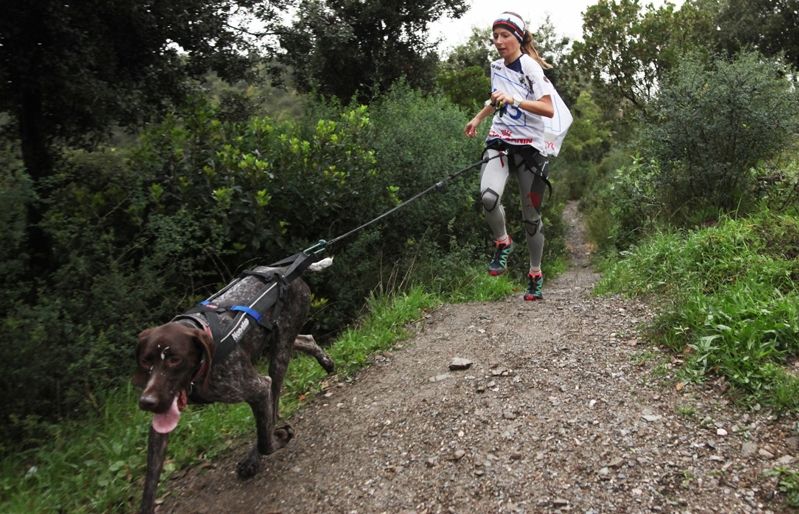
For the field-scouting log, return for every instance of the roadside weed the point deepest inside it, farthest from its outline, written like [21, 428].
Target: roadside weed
[729, 301]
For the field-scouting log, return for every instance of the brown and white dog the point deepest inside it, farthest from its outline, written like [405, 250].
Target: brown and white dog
[176, 366]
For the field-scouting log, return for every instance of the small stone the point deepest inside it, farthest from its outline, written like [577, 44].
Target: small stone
[651, 417]
[459, 363]
[432, 461]
[509, 414]
[439, 378]
[748, 449]
[560, 503]
[721, 432]
[458, 455]
[765, 453]
[785, 460]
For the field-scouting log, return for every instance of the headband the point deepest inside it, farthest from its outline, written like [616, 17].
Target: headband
[513, 23]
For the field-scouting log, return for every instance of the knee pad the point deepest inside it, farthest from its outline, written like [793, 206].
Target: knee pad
[532, 227]
[490, 199]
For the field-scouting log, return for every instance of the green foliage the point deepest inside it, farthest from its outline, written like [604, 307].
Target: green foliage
[344, 49]
[584, 147]
[718, 130]
[624, 205]
[16, 193]
[729, 300]
[626, 50]
[71, 70]
[477, 51]
[713, 123]
[767, 25]
[788, 484]
[467, 87]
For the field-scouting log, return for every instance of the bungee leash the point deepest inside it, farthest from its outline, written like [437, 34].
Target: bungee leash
[322, 245]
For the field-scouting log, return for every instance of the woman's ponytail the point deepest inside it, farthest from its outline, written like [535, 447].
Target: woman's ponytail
[528, 47]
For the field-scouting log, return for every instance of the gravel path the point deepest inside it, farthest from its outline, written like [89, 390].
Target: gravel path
[564, 409]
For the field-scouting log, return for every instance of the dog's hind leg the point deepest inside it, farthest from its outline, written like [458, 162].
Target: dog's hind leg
[307, 344]
[281, 351]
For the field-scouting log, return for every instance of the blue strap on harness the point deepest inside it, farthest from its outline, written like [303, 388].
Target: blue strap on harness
[240, 308]
[243, 308]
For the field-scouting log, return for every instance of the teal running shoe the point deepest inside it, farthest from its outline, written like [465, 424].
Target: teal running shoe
[535, 285]
[499, 264]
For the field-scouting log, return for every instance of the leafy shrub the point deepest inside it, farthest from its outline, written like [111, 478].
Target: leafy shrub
[583, 149]
[624, 206]
[712, 124]
[16, 193]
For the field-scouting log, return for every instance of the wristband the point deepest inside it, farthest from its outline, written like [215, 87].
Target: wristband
[517, 101]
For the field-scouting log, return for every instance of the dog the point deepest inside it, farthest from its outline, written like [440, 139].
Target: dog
[178, 363]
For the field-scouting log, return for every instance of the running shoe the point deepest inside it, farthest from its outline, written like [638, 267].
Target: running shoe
[499, 264]
[535, 285]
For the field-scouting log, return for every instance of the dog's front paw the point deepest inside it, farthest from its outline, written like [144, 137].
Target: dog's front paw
[283, 435]
[250, 465]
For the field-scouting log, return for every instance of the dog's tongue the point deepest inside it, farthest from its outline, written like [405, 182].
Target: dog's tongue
[166, 422]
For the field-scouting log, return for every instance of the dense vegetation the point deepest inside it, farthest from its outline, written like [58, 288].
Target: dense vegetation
[151, 152]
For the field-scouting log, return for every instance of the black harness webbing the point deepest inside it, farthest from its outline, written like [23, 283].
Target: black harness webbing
[229, 323]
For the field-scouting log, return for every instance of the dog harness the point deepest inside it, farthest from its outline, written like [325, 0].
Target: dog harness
[229, 323]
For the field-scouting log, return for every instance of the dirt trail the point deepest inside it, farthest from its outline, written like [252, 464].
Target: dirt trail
[564, 409]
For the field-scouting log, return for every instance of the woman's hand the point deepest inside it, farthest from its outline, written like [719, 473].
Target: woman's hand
[471, 127]
[499, 98]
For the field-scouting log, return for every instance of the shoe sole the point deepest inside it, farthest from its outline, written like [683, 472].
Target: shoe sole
[496, 273]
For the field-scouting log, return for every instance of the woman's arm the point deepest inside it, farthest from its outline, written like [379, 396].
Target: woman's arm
[471, 128]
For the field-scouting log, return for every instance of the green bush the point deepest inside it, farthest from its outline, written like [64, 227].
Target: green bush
[624, 206]
[16, 194]
[713, 122]
[708, 148]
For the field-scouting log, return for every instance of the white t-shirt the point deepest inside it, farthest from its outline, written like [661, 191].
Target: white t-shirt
[519, 127]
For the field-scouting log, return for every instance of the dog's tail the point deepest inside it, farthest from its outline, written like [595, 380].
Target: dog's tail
[322, 264]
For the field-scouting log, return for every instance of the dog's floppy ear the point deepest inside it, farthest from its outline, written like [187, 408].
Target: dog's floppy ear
[140, 376]
[206, 342]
